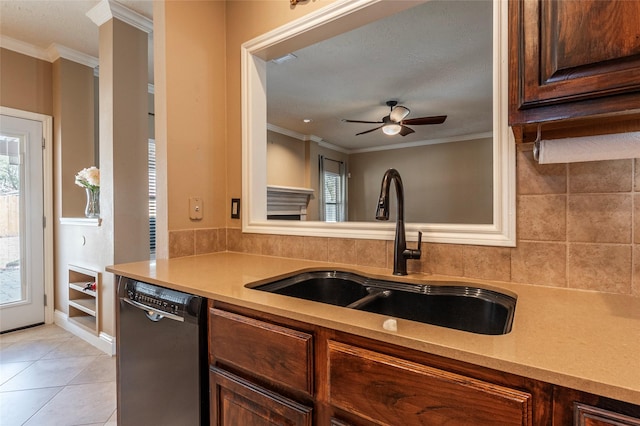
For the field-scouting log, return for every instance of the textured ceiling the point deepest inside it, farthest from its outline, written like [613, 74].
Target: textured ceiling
[435, 59]
[41, 23]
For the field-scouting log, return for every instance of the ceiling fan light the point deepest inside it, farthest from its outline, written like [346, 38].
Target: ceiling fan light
[391, 129]
[398, 113]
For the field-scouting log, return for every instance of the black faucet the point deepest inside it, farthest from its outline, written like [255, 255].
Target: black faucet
[400, 251]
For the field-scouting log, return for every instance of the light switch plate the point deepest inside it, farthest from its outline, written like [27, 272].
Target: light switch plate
[235, 208]
[195, 208]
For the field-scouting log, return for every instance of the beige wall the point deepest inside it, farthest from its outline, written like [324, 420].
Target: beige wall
[25, 83]
[443, 183]
[74, 105]
[196, 112]
[292, 162]
[285, 160]
[73, 137]
[199, 135]
[245, 21]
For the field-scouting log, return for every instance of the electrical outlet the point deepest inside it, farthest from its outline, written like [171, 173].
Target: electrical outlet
[195, 208]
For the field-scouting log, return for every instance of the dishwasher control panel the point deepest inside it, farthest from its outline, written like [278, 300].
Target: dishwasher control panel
[159, 298]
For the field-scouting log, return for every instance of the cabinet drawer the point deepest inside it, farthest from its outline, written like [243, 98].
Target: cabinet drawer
[264, 350]
[240, 402]
[383, 389]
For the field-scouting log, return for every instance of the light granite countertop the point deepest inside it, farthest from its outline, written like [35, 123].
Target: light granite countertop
[578, 339]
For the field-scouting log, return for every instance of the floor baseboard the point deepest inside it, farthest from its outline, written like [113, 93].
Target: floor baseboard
[103, 341]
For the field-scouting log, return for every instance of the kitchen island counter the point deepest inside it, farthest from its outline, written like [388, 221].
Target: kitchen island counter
[583, 340]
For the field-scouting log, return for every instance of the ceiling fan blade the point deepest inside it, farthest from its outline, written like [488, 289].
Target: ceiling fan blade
[436, 119]
[368, 131]
[404, 130]
[360, 121]
[398, 113]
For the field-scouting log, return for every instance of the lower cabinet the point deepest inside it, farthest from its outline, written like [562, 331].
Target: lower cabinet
[384, 388]
[236, 401]
[586, 415]
[261, 373]
[268, 370]
[572, 407]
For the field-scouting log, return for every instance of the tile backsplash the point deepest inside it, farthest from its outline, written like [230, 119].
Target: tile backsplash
[578, 226]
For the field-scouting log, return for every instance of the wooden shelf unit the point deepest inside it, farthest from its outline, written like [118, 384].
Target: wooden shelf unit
[84, 302]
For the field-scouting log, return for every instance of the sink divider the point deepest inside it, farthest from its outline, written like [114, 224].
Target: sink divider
[373, 295]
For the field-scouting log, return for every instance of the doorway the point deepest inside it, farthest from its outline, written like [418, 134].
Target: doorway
[22, 221]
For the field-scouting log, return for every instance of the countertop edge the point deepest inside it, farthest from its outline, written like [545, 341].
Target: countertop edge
[172, 273]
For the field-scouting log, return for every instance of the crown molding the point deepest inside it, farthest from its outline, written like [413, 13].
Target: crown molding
[286, 132]
[109, 9]
[461, 138]
[50, 54]
[293, 134]
[333, 147]
[24, 48]
[344, 150]
[57, 51]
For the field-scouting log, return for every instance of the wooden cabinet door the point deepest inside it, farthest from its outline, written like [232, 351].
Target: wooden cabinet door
[585, 415]
[235, 401]
[573, 58]
[387, 390]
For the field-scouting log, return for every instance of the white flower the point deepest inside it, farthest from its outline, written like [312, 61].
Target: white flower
[89, 178]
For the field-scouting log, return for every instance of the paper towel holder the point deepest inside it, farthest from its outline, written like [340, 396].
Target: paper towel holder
[536, 144]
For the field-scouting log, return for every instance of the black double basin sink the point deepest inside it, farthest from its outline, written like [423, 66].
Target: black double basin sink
[448, 304]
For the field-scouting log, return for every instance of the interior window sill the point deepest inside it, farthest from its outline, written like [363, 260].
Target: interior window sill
[81, 221]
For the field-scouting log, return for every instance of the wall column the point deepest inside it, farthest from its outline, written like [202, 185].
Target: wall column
[123, 117]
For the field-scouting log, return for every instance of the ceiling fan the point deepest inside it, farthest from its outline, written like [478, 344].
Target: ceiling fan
[395, 122]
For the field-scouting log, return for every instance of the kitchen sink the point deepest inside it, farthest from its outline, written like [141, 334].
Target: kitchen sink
[332, 287]
[454, 305]
[461, 307]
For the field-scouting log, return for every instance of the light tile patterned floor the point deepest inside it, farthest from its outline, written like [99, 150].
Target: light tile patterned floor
[50, 377]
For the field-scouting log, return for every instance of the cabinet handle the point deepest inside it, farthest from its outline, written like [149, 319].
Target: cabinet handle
[151, 313]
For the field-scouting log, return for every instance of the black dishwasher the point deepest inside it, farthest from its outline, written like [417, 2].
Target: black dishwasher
[161, 341]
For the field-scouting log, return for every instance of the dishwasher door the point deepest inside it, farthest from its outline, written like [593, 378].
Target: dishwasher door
[161, 356]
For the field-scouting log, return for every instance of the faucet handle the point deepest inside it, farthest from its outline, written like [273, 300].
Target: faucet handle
[414, 254]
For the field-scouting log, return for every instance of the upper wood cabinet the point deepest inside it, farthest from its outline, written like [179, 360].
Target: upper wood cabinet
[570, 59]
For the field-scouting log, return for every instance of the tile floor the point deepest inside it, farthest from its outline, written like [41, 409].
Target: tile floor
[50, 377]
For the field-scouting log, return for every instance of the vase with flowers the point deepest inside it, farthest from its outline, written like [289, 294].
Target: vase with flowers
[89, 179]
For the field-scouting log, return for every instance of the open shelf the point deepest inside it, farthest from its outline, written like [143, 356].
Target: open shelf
[81, 286]
[84, 291]
[87, 306]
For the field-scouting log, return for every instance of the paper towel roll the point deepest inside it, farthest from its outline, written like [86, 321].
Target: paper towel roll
[590, 148]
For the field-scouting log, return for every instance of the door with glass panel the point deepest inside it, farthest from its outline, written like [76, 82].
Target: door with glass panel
[21, 223]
